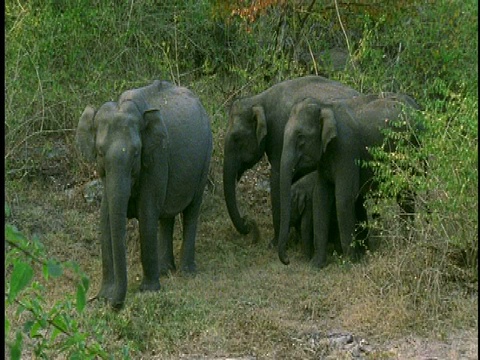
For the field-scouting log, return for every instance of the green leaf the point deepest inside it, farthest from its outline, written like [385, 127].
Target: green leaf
[21, 276]
[76, 356]
[12, 234]
[7, 326]
[81, 297]
[85, 282]
[52, 268]
[27, 326]
[7, 210]
[16, 348]
[55, 333]
[35, 330]
[61, 322]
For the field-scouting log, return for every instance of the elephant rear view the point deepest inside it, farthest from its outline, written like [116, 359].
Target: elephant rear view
[153, 150]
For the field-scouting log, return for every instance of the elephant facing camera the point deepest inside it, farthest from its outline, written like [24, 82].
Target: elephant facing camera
[152, 149]
[334, 138]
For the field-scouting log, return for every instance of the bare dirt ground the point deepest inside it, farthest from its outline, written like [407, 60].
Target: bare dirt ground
[461, 345]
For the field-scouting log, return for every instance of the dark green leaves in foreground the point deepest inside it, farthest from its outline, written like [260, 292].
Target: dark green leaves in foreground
[46, 322]
[21, 276]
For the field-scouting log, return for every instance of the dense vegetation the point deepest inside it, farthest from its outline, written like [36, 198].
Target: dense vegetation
[62, 55]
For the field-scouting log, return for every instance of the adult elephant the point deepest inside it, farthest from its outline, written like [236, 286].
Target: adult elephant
[256, 126]
[153, 150]
[332, 139]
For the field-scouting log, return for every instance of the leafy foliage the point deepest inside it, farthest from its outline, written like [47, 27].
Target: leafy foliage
[51, 327]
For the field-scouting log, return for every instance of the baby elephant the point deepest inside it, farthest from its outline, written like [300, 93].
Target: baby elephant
[152, 148]
[301, 216]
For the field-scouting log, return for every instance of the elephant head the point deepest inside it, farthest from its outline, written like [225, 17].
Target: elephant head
[116, 137]
[308, 132]
[244, 147]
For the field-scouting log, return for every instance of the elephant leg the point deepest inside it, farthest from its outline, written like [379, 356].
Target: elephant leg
[334, 234]
[345, 193]
[275, 198]
[148, 223]
[108, 279]
[165, 237]
[190, 221]
[323, 198]
[306, 232]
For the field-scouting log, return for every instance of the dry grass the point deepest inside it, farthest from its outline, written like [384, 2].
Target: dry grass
[243, 301]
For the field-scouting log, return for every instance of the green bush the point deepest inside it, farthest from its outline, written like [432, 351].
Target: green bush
[52, 328]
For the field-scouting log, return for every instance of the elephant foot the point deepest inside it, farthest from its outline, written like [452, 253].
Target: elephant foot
[318, 262]
[149, 285]
[167, 268]
[117, 304]
[106, 292]
[189, 269]
[356, 252]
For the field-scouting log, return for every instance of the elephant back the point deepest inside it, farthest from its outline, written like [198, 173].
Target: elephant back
[190, 143]
[182, 112]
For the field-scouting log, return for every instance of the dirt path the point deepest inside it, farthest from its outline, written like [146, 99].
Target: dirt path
[460, 345]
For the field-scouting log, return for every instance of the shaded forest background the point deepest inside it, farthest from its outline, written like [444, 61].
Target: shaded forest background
[62, 55]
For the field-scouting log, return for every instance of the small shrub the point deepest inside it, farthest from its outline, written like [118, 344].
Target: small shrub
[50, 329]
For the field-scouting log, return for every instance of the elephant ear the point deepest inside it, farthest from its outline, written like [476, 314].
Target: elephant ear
[154, 137]
[85, 135]
[329, 129]
[261, 129]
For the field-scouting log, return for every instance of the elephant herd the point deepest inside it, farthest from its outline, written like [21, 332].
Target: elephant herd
[152, 149]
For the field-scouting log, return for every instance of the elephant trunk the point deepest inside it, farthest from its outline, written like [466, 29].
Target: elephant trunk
[286, 175]
[230, 173]
[118, 193]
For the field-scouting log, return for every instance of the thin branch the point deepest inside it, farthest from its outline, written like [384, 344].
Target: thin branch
[34, 258]
[26, 252]
[41, 132]
[51, 322]
[175, 19]
[344, 34]
[307, 14]
[313, 58]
